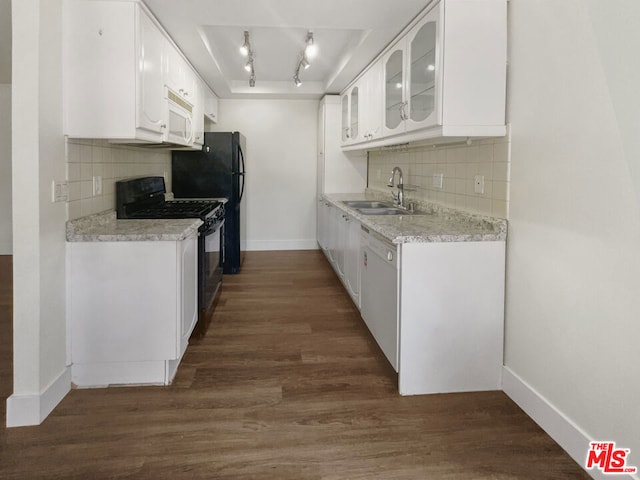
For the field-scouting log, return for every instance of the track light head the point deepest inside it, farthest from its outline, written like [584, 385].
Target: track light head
[311, 49]
[296, 80]
[246, 46]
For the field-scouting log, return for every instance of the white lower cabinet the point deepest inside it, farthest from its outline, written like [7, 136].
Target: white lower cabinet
[323, 228]
[451, 321]
[352, 259]
[436, 309]
[340, 241]
[132, 307]
[339, 237]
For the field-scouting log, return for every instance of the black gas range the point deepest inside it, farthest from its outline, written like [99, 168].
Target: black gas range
[145, 198]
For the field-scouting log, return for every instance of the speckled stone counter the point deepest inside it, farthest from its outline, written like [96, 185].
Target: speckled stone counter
[430, 222]
[105, 227]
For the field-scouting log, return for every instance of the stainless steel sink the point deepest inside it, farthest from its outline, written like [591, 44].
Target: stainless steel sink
[383, 211]
[358, 204]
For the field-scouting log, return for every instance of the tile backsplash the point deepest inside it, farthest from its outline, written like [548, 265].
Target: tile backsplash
[112, 162]
[459, 164]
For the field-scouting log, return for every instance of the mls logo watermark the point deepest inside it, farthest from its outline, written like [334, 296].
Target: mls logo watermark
[608, 458]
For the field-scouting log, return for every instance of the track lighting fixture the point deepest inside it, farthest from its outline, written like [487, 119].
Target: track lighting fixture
[247, 51]
[246, 46]
[309, 51]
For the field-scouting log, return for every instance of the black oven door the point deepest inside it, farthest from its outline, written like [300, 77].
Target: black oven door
[210, 259]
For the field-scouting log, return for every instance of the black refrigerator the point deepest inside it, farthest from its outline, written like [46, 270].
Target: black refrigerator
[215, 172]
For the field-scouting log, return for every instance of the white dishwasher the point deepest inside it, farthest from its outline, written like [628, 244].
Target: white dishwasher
[379, 291]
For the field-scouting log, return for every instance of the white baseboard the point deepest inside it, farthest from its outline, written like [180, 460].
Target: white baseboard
[559, 427]
[262, 245]
[101, 375]
[24, 410]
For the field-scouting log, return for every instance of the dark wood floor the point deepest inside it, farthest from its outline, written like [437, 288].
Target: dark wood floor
[286, 384]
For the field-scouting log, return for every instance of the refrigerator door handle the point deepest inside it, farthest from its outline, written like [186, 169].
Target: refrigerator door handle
[242, 172]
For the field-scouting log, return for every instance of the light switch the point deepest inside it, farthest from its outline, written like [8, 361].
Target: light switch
[97, 185]
[478, 183]
[59, 191]
[437, 180]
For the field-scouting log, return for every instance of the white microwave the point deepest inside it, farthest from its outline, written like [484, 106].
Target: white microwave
[180, 120]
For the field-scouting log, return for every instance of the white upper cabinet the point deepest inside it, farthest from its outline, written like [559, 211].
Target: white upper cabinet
[410, 78]
[444, 77]
[351, 102]
[337, 170]
[354, 113]
[179, 76]
[198, 113]
[113, 85]
[371, 103]
[210, 104]
[421, 73]
[361, 108]
[118, 67]
[394, 97]
[151, 111]
[345, 135]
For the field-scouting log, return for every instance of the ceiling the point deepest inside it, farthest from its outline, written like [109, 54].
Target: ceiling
[348, 34]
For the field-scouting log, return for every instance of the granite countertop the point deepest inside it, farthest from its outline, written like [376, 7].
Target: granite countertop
[105, 227]
[430, 222]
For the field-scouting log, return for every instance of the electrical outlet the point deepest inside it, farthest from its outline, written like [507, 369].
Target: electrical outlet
[437, 180]
[478, 183]
[97, 185]
[59, 191]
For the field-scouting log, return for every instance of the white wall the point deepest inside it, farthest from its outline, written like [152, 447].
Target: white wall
[281, 169]
[41, 378]
[5, 171]
[573, 273]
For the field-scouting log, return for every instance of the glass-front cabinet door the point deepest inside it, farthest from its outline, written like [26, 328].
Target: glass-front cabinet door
[394, 106]
[344, 136]
[423, 71]
[354, 131]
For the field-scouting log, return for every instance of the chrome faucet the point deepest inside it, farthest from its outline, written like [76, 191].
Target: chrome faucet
[399, 197]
